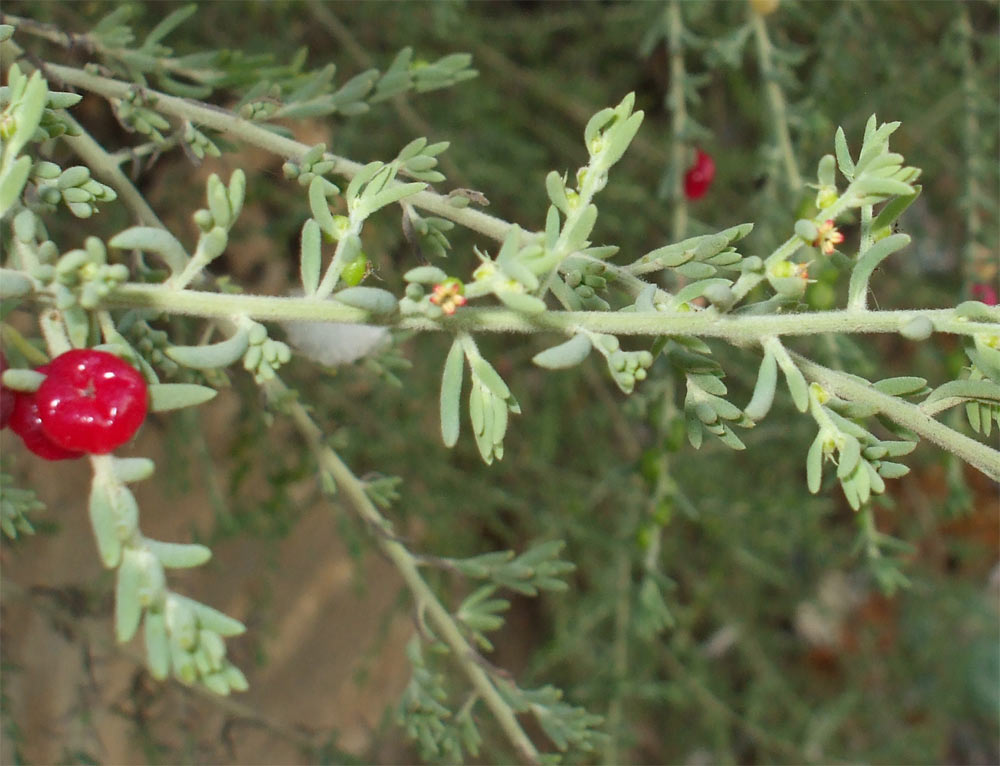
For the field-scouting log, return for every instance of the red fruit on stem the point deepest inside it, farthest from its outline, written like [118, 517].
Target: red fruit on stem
[91, 401]
[6, 397]
[26, 423]
[984, 293]
[699, 176]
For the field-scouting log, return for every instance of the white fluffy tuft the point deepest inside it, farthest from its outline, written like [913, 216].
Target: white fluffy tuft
[335, 343]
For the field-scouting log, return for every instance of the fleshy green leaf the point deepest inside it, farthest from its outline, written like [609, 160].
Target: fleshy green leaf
[179, 555]
[965, 389]
[893, 209]
[157, 645]
[318, 204]
[451, 391]
[12, 182]
[901, 386]
[152, 239]
[169, 24]
[858, 287]
[174, 396]
[814, 464]
[577, 235]
[890, 470]
[372, 299]
[489, 377]
[14, 284]
[128, 610]
[844, 160]
[220, 354]
[763, 392]
[132, 469]
[850, 456]
[393, 194]
[526, 304]
[568, 354]
[310, 256]
[215, 621]
[103, 521]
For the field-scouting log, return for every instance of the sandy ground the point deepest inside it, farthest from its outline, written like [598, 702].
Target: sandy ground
[324, 650]
[324, 653]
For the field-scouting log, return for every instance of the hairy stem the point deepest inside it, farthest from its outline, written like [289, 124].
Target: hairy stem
[707, 699]
[345, 39]
[407, 565]
[215, 118]
[678, 115]
[905, 414]
[619, 655]
[776, 99]
[107, 168]
[738, 330]
[977, 265]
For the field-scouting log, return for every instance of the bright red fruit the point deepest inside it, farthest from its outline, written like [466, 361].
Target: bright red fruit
[91, 401]
[984, 294]
[6, 397]
[25, 422]
[699, 176]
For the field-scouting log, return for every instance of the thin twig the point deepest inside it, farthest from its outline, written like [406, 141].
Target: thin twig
[676, 102]
[322, 13]
[260, 136]
[467, 658]
[776, 100]
[710, 701]
[354, 490]
[619, 652]
[106, 168]
[908, 415]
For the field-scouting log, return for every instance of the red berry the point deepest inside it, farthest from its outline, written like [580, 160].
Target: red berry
[699, 176]
[91, 401]
[984, 293]
[6, 397]
[25, 422]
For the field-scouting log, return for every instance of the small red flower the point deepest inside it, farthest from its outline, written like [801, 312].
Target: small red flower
[699, 176]
[448, 295]
[91, 401]
[828, 238]
[6, 397]
[26, 423]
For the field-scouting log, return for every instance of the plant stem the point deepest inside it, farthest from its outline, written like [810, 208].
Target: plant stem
[54, 331]
[259, 135]
[712, 704]
[786, 250]
[551, 96]
[107, 168]
[345, 39]
[905, 414]
[92, 44]
[678, 115]
[10, 336]
[977, 265]
[739, 329]
[619, 651]
[406, 563]
[105, 165]
[779, 114]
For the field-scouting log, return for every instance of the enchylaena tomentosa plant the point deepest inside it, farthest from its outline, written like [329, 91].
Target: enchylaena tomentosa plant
[546, 276]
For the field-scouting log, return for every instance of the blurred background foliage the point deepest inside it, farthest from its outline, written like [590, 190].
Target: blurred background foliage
[718, 613]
